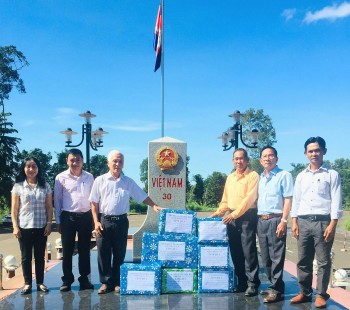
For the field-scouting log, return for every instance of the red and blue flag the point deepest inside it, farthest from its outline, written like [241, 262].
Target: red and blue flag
[158, 38]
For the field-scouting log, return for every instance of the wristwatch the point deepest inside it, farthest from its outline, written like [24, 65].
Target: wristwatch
[284, 221]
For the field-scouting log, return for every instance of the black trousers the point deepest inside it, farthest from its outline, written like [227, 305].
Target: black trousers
[242, 240]
[72, 224]
[273, 252]
[112, 243]
[33, 238]
[311, 242]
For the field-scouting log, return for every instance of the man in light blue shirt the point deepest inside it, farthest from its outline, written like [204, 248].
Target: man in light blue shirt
[317, 206]
[274, 203]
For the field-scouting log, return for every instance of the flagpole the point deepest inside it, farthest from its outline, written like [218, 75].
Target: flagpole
[162, 67]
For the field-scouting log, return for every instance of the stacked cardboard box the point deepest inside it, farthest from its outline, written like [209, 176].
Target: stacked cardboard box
[175, 247]
[214, 271]
[173, 250]
[178, 261]
[140, 279]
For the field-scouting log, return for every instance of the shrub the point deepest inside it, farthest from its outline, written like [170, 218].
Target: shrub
[195, 206]
[347, 223]
[139, 208]
[4, 207]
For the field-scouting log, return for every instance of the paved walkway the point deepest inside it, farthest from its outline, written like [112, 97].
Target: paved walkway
[10, 297]
[87, 300]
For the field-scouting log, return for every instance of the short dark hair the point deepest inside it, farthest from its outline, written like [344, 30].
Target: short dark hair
[321, 142]
[241, 150]
[268, 147]
[74, 152]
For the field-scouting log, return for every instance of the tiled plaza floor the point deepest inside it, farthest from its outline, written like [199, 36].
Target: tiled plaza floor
[86, 300]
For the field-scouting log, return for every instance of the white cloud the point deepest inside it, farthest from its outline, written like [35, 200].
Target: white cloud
[28, 123]
[135, 126]
[329, 13]
[288, 14]
[140, 126]
[66, 110]
[64, 116]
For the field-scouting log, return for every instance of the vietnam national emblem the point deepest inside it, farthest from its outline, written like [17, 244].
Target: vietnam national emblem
[167, 158]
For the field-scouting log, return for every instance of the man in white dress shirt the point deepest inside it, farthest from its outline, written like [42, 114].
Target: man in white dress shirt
[316, 208]
[73, 216]
[110, 197]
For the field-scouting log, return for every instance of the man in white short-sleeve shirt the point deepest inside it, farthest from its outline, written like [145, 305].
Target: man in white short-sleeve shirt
[110, 196]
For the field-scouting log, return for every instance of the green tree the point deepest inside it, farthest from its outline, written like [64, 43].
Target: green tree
[98, 165]
[343, 167]
[197, 190]
[213, 188]
[60, 165]
[254, 164]
[256, 119]
[5, 207]
[144, 174]
[188, 184]
[8, 150]
[345, 179]
[11, 61]
[297, 168]
[341, 164]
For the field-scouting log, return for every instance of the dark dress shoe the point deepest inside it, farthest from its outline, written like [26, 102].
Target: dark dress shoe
[86, 286]
[239, 289]
[272, 297]
[104, 289]
[27, 289]
[300, 298]
[42, 288]
[251, 291]
[65, 287]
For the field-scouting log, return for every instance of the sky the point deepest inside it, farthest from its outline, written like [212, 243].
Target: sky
[289, 58]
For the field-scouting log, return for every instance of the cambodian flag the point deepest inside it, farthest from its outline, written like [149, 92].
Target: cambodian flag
[158, 38]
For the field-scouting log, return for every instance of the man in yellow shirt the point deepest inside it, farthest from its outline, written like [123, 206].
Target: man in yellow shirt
[239, 212]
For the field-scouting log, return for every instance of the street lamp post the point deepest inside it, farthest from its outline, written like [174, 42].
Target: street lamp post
[233, 134]
[93, 139]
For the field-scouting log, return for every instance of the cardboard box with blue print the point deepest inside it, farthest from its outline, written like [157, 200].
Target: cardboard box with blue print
[170, 251]
[213, 256]
[215, 280]
[140, 279]
[211, 230]
[173, 221]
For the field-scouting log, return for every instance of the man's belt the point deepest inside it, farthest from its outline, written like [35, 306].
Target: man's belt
[115, 218]
[269, 216]
[76, 214]
[315, 217]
